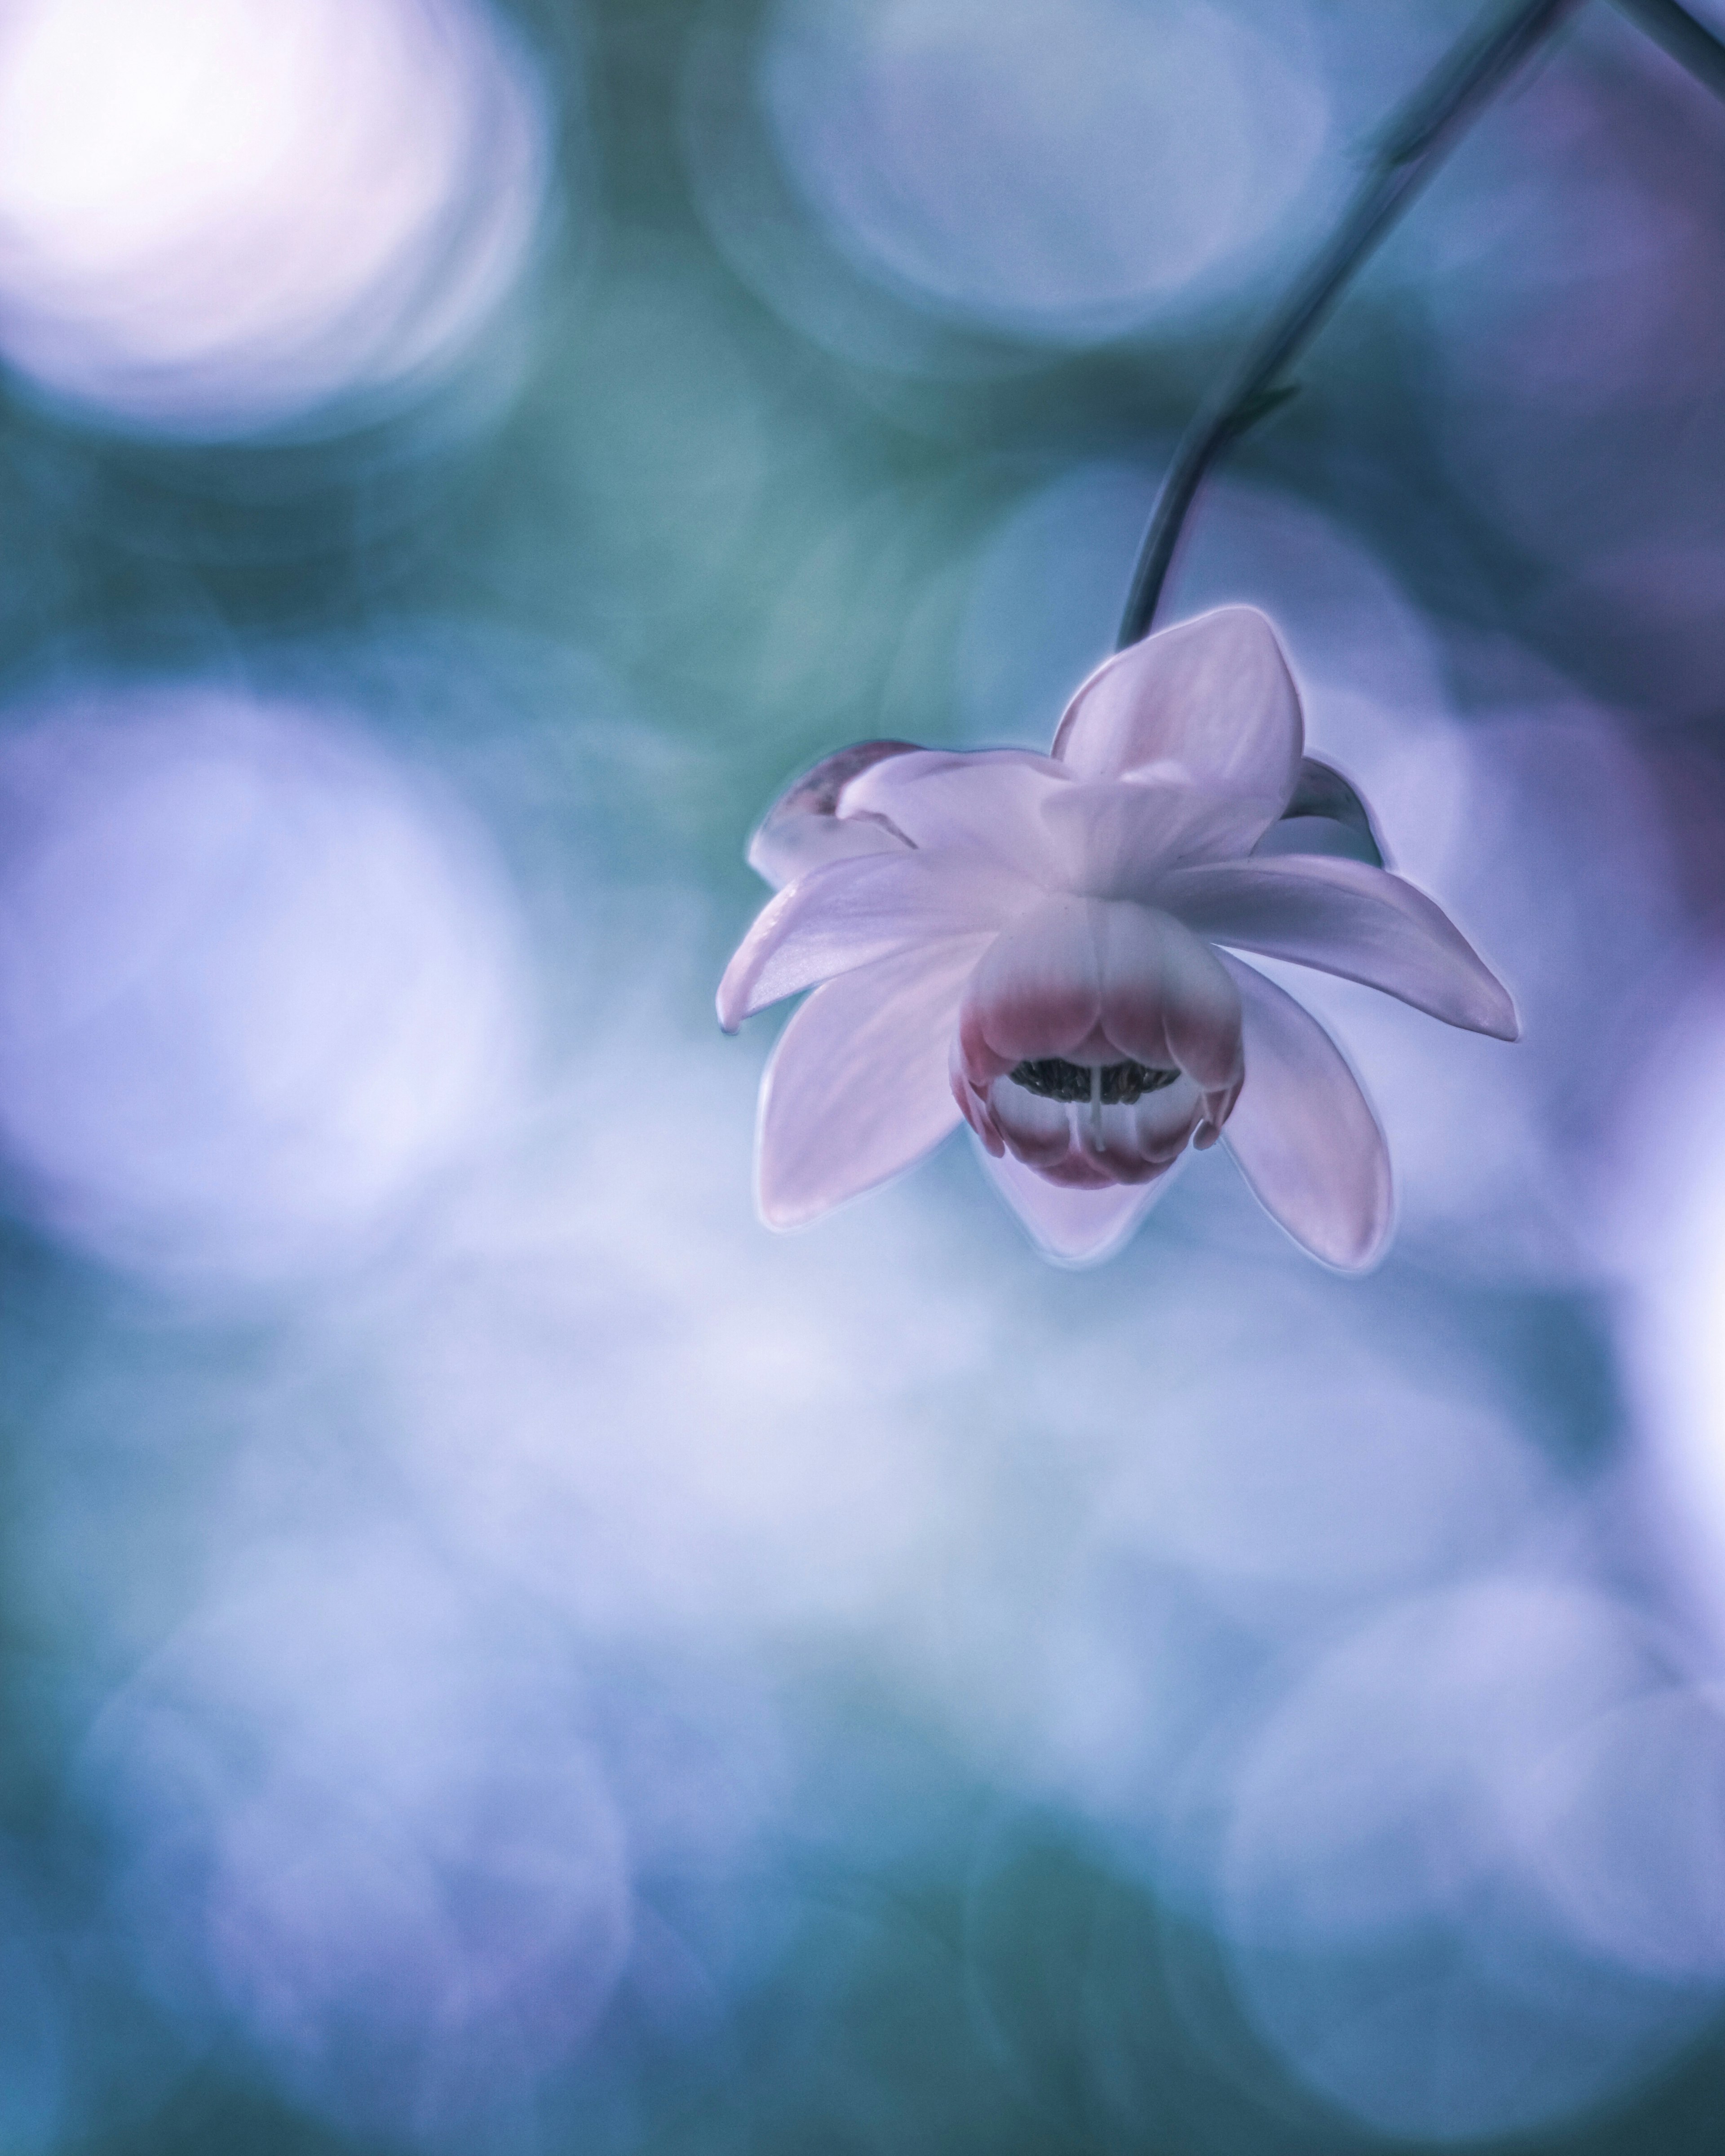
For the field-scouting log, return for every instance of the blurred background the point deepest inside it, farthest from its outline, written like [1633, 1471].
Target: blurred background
[501, 1656]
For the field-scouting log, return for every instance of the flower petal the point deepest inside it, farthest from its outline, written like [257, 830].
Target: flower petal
[1210, 701]
[803, 830]
[1166, 998]
[1303, 1134]
[1072, 1227]
[1039, 1131]
[1345, 917]
[1087, 1146]
[1099, 982]
[852, 912]
[983, 801]
[1036, 992]
[1162, 1121]
[1119, 839]
[857, 1087]
[1327, 814]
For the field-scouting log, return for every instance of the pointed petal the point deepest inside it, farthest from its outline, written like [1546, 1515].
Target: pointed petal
[1210, 701]
[983, 801]
[1303, 1134]
[857, 1087]
[1072, 1227]
[802, 829]
[1348, 918]
[850, 913]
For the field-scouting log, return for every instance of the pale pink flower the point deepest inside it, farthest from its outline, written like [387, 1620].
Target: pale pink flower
[1032, 942]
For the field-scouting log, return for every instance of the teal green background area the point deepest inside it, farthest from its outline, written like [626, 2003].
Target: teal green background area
[561, 1670]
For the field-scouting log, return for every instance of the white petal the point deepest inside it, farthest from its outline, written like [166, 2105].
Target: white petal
[1119, 839]
[1348, 918]
[852, 912]
[1210, 701]
[988, 801]
[1073, 1227]
[1303, 1134]
[857, 1087]
[802, 829]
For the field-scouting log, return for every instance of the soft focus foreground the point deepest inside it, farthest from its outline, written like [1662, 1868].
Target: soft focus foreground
[504, 1654]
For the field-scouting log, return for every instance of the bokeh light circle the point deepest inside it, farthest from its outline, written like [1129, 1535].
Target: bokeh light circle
[1060, 171]
[255, 985]
[1665, 1178]
[1407, 1895]
[345, 1818]
[218, 217]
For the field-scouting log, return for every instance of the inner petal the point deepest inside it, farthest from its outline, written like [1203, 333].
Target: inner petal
[1105, 985]
[1035, 994]
[1036, 1129]
[1166, 1000]
[1060, 1125]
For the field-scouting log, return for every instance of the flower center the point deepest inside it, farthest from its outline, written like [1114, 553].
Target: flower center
[1054, 1079]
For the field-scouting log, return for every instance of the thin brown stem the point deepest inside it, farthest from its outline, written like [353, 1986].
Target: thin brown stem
[1416, 142]
[1688, 42]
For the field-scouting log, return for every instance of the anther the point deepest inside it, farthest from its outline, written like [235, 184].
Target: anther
[1052, 1078]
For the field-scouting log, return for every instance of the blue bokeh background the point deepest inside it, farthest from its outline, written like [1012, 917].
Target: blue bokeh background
[498, 1655]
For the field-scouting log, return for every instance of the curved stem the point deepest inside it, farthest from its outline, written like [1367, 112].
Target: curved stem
[1411, 150]
[1688, 43]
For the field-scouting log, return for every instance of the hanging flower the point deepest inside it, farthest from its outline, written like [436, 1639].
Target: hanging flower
[1044, 945]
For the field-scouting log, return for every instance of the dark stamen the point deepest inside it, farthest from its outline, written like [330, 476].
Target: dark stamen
[1053, 1078]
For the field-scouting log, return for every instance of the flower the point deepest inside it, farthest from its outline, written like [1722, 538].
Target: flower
[1045, 946]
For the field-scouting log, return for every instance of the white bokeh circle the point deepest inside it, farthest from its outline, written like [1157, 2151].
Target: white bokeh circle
[343, 1818]
[1059, 170]
[1407, 1898]
[218, 217]
[256, 985]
